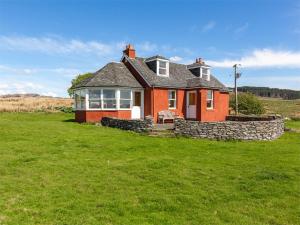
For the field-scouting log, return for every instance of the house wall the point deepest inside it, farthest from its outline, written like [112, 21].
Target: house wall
[220, 110]
[160, 102]
[96, 116]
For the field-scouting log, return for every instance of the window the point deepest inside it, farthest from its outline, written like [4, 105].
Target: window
[109, 99]
[162, 68]
[172, 99]
[82, 99]
[205, 73]
[77, 99]
[210, 99]
[95, 99]
[125, 99]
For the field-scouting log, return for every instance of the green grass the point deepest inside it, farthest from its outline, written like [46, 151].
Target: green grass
[295, 125]
[55, 171]
[287, 108]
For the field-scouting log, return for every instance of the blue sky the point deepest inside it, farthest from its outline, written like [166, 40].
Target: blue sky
[44, 44]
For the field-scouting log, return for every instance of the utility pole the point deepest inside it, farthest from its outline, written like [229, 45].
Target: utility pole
[236, 76]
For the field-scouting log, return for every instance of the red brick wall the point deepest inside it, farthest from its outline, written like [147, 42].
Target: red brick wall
[96, 116]
[220, 110]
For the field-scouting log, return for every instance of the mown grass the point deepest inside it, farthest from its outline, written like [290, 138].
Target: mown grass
[55, 171]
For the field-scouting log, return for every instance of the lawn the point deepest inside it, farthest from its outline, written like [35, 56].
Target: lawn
[55, 171]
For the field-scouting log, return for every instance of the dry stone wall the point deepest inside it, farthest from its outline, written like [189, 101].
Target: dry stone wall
[145, 125]
[230, 130]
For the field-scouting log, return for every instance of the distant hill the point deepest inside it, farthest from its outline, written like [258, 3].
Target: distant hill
[286, 94]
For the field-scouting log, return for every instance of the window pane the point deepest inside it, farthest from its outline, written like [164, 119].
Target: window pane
[172, 104]
[125, 104]
[95, 94]
[125, 94]
[162, 64]
[109, 104]
[192, 98]
[172, 94]
[209, 104]
[163, 71]
[82, 102]
[95, 104]
[82, 95]
[204, 71]
[209, 94]
[109, 93]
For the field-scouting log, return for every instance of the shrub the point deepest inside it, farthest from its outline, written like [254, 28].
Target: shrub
[247, 104]
[65, 109]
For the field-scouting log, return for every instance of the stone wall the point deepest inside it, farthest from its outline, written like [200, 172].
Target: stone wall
[230, 130]
[133, 125]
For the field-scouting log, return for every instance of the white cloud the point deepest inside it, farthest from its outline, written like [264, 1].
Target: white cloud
[147, 47]
[263, 58]
[175, 59]
[209, 26]
[58, 45]
[68, 72]
[20, 88]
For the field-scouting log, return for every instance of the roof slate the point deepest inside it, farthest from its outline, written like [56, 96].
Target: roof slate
[111, 75]
[118, 75]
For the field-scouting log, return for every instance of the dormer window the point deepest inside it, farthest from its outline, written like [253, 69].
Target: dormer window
[159, 65]
[162, 68]
[205, 73]
[200, 69]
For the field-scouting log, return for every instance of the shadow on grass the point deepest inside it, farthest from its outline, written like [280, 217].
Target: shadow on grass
[69, 120]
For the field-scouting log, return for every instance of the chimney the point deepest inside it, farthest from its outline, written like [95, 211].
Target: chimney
[129, 51]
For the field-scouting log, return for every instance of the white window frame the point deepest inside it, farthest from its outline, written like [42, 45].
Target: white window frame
[202, 74]
[158, 67]
[212, 99]
[100, 99]
[115, 98]
[79, 106]
[119, 99]
[174, 99]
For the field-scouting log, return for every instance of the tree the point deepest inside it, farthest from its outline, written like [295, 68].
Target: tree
[247, 104]
[77, 80]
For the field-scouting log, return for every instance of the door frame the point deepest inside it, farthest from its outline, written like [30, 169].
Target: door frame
[187, 104]
[142, 102]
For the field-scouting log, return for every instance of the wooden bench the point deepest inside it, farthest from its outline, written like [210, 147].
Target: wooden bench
[166, 115]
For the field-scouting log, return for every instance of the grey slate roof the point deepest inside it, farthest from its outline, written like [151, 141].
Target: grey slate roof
[111, 75]
[179, 76]
[118, 75]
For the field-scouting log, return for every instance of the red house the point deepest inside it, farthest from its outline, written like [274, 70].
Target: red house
[137, 87]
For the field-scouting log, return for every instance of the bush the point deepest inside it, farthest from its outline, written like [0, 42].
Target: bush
[65, 109]
[247, 104]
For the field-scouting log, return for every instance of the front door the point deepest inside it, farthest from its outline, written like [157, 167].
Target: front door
[137, 105]
[191, 105]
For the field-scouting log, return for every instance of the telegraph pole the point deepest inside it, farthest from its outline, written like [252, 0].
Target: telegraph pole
[236, 76]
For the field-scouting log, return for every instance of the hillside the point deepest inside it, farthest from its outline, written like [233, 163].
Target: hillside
[32, 103]
[271, 92]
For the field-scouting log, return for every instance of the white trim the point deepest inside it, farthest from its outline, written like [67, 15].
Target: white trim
[167, 68]
[212, 99]
[175, 99]
[155, 59]
[208, 74]
[198, 66]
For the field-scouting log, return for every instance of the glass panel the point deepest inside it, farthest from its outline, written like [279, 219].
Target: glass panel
[109, 103]
[192, 98]
[137, 99]
[204, 71]
[82, 102]
[162, 64]
[172, 104]
[125, 94]
[125, 104]
[109, 93]
[95, 104]
[94, 94]
[209, 94]
[209, 104]
[162, 71]
[172, 94]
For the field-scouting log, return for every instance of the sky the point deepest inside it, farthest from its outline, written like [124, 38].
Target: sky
[45, 44]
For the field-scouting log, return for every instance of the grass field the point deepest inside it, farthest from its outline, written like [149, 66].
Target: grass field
[33, 104]
[287, 108]
[55, 171]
